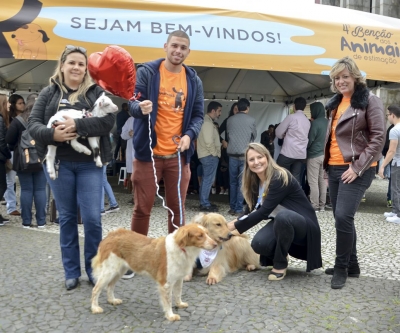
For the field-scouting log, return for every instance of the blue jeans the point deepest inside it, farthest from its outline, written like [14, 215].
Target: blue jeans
[345, 199]
[33, 188]
[236, 167]
[78, 183]
[9, 195]
[210, 164]
[107, 188]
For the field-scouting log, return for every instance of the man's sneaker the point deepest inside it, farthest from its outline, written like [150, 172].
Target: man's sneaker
[322, 209]
[394, 219]
[231, 212]
[41, 227]
[1, 223]
[328, 206]
[112, 209]
[103, 212]
[389, 214]
[213, 190]
[4, 220]
[209, 209]
[128, 275]
[26, 226]
[389, 204]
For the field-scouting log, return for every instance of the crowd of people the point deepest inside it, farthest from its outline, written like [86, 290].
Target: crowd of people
[166, 129]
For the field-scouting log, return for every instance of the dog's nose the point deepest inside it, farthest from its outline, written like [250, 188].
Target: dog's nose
[12, 36]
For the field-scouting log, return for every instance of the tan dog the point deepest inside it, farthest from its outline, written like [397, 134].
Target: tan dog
[166, 259]
[233, 253]
[31, 41]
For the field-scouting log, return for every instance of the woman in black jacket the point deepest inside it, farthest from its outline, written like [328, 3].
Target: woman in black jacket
[4, 151]
[32, 181]
[79, 182]
[294, 229]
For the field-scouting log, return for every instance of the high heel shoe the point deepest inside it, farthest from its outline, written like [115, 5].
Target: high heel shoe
[274, 276]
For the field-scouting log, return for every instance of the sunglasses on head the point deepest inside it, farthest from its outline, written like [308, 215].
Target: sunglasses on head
[75, 48]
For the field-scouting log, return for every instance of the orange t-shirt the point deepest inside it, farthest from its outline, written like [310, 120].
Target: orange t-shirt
[335, 155]
[171, 105]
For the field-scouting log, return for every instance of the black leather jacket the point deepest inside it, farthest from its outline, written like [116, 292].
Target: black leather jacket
[47, 105]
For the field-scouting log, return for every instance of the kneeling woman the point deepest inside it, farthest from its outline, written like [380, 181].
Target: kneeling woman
[294, 230]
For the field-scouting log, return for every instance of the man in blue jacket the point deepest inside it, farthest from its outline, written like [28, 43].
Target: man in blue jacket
[171, 95]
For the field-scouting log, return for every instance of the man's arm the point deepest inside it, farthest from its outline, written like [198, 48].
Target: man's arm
[197, 115]
[281, 130]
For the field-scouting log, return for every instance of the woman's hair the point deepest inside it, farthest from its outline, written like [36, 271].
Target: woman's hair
[13, 99]
[231, 110]
[350, 65]
[3, 109]
[250, 182]
[28, 108]
[59, 76]
[31, 98]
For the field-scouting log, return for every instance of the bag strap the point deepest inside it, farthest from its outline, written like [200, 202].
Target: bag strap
[22, 121]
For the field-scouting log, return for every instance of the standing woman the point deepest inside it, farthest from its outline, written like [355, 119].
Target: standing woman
[32, 181]
[16, 107]
[294, 230]
[79, 180]
[353, 145]
[4, 151]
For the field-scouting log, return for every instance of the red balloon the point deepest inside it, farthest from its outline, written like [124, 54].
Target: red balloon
[114, 71]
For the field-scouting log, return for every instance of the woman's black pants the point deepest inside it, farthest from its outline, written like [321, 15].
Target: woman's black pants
[345, 199]
[274, 239]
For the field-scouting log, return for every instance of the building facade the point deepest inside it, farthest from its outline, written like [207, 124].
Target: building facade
[382, 7]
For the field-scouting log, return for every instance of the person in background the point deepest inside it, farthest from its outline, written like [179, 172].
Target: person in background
[79, 180]
[293, 231]
[353, 145]
[120, 147]
[5, 153]
[267, 139]
[387, 171]
[107, 189]
[16, 107]
[277, 144]
[127, 134]
[209, 152]
[315, 156]
[234, 110]
[32, 181]
[294, 129]
[241, 130]
[393, 157]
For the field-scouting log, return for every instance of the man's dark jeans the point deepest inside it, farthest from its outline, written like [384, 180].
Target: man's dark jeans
[291, 164]
[345, 199]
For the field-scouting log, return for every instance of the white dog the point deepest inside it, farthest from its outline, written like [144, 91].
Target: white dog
[103, 106]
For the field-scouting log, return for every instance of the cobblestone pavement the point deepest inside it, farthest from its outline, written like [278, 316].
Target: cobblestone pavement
[33, 297]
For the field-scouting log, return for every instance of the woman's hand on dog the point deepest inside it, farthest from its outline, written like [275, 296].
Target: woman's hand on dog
[231, 225]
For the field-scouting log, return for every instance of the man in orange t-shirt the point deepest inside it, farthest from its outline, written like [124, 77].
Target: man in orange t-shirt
[172, 96]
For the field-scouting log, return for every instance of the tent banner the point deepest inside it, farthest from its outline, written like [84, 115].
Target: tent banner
[275, 35]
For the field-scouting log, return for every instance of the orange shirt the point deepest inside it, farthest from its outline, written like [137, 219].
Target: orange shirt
[335, 155]
[171, 105]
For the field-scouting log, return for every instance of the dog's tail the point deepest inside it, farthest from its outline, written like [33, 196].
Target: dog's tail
[96, 265]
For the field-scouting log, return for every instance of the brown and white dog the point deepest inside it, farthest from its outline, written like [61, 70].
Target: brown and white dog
[232, 253]
[166, 259]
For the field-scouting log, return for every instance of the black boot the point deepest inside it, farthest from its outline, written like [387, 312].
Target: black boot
[339, 278]
[352, 271]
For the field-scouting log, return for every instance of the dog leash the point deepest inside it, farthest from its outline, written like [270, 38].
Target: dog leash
[175, 138]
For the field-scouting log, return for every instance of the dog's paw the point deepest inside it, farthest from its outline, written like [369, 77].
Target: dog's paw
[211, 280]
[187, 278]
[251, 267]
[115, 301]
[97, 309]
[174, 317]
[182, 305]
